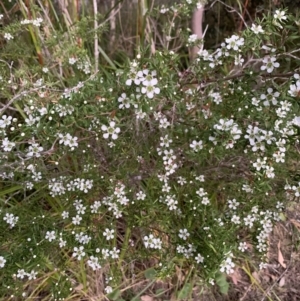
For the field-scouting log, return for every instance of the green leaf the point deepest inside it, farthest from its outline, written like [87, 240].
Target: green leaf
[150, 274]
[114, 295]
[10, 189]
[185, 291]
[222, 283]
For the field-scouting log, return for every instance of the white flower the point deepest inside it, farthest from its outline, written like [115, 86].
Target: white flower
[296, 121]
[233, 204]
[279, 157]
[295, 89]
[192, 38]
[196, 145]
[280, 15]
[183, 234]
[257, 29]
[32, 275]
[236, 219]
[8, 36]
[269, 172]
[11, 219]
[114, 253]
[147, 77]
[205, 201]
[21, 274]
[78, 252]
[238, 60]
[296, 189]
[65, 214]
[140, 195]
[124, 101]
[243, 246]
[108, 289]
[34, 150]
[270, 97]
[227, 265]
[50, 235]
[149, 88]
[76, 220]
[199, 258]
[93, 262]
[72, 60]
[2, 262]
[234, 42]
[110, 130]
[109, 234]
[259, 164]
[164, 123]
[5, 121]
[7, 145]
[62, 243]
[217, 98]
[269, 64]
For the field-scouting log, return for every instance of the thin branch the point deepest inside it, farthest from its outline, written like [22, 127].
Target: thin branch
[17, 97]
[96, 50]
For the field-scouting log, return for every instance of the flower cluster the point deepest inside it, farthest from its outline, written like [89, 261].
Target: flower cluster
[146, 78]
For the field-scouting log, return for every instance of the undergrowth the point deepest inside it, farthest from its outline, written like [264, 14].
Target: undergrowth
[115, 173]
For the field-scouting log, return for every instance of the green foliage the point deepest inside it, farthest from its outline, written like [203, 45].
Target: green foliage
[112, 172]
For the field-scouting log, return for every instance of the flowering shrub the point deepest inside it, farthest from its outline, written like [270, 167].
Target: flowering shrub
[102, 169]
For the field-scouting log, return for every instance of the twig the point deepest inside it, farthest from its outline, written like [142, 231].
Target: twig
[244, 11]
[275, 282]
[96, 50]
[18, 96]
[286, 75]
[234, 10]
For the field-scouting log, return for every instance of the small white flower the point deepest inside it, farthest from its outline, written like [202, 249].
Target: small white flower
[196, 145]
[149, 88]
[108, 289]
[227, 265]
[183, 234]
[110, 130]
[294, 90]
[280, 15]
[7, 145]
[235, 219]
[76, 220]
[2, 262]
[32, 275]
[93, 262]
[269, 63]
[72, 60]
[114, 253]
[21, 274]
[5, 121]
[78, 252]
[192, 38]
[109, 234]
[50, 235]
[243, 246]
[124, 101]
[65, 214]
[199, 258]
[140, 195]
[257, 29]
[296, 121]
[8, 36]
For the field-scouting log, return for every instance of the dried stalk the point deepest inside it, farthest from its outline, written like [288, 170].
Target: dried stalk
[96, 50]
